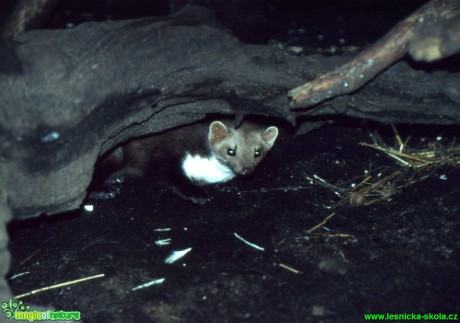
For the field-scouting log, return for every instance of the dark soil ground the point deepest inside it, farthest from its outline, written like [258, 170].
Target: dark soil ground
[398, 256]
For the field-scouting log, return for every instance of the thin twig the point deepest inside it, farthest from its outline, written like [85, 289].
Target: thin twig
[319, 225]
[59, 285]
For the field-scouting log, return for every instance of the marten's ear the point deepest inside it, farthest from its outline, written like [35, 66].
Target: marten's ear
[269, 136]
[217, 132]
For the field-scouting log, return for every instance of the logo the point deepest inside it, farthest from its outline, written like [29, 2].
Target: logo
[21, 312]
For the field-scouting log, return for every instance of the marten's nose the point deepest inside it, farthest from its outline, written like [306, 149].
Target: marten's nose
[246, 171]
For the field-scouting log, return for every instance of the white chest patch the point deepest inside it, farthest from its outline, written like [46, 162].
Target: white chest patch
[206, 170]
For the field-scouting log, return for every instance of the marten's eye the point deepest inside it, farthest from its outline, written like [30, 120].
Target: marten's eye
[257, 153]
[231, 152]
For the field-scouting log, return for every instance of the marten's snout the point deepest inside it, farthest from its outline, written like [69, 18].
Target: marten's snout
[246, 171]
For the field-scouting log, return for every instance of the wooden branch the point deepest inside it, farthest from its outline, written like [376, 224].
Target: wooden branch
[365, 66]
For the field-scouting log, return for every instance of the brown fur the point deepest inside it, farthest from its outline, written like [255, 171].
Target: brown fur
[139, 156]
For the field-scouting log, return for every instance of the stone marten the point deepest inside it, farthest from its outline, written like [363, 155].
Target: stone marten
[194, 155]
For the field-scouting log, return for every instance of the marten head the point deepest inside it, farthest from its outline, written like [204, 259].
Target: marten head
[241, 149]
